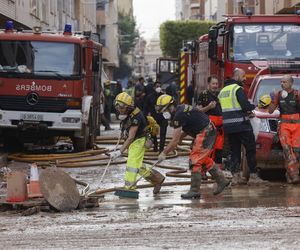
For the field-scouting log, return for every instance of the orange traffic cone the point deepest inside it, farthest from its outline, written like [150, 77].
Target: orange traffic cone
[33, 187]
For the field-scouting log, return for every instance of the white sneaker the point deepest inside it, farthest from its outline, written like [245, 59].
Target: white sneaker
[227, 173]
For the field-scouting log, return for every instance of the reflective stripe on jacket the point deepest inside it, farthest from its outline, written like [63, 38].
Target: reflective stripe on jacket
[231, 109]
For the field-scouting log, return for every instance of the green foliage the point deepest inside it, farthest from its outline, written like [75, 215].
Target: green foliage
[127, 32]
[173, 33]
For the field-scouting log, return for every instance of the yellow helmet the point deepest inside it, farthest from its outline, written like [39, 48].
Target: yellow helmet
[264, 101]
[123, 99]
[163, 102]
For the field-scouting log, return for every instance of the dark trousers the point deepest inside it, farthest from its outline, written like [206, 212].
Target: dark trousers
[107, 111]
[163, 125]
[236, 140]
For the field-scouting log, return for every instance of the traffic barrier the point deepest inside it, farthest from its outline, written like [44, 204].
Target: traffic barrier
[34, 190]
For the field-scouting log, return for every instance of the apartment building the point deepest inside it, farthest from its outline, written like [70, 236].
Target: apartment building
[107, 27]
[187, 9]
[216, 9]
[49, 14]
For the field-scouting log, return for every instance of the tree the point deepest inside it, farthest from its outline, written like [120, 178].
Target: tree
[128, 36]
[128, 33]
[173, 33]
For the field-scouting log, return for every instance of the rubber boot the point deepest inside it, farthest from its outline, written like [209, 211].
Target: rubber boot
[194, 192]
[219, 177]
[293, 173]
[156, 179]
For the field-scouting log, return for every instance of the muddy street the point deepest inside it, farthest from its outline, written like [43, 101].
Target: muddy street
[241, 218]
[245, 217]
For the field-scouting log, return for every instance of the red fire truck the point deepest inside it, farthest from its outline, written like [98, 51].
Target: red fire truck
[240, 40]
[246, 42]
[49, 86]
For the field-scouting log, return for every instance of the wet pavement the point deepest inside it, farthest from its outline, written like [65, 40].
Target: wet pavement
[242, 217]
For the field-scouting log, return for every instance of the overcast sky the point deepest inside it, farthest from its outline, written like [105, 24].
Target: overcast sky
[150, 14]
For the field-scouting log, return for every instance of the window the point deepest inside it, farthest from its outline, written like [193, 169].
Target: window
[51, 59]
[265, 41]
[267, 86]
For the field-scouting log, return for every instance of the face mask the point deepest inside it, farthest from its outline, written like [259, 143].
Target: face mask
[158, 89]
[284, 94]
[167, 115]
[122, 117]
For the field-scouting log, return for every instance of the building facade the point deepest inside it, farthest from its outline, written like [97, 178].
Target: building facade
[216, 9]
[187, 9]
[107, 27]
[152, 52]
[49, 14]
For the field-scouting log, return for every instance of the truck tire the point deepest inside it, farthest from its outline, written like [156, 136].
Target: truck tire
[80, 143]
[87, 140]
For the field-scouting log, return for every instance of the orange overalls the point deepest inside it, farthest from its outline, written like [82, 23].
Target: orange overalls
[289, 130]
[215, 115]
[202, 150]
[217, 152]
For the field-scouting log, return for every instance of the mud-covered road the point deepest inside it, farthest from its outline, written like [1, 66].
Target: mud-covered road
[248, 217]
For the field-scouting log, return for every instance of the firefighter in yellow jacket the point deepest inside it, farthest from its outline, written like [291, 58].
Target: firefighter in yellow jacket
[133, 127]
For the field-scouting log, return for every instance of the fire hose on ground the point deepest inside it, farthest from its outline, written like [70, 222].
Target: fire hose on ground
[97, 157]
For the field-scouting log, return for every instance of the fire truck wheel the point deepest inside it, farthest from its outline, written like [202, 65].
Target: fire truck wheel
[80, 143]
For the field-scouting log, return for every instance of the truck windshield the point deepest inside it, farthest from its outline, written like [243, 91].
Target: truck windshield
[39, 58]
[264, 41]
[266, 86]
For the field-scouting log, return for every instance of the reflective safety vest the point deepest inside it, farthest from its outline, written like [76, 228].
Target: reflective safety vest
[232, 112]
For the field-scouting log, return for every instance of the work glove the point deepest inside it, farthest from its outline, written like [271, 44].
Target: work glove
[115, 154]
[162, 156]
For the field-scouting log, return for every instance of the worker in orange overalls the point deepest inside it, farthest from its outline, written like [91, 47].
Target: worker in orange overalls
[288, 101]
[188, 120]
[208, 102]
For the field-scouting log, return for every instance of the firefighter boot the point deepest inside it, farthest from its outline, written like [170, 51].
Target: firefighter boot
[293, 173]
[220, 179]
[156, 179]
[194, 192]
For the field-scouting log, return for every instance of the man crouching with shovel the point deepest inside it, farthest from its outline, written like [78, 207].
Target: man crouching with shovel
[133, 124]
[190, 121]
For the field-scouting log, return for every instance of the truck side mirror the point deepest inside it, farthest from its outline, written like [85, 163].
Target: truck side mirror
[212, 49]
[212, 43]
[213, 33]
[96, 62]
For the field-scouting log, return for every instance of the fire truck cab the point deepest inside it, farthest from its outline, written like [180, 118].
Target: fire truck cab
[49, 86]
[246, 42]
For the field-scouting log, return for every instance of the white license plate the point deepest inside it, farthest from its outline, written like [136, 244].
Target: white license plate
[31, 117]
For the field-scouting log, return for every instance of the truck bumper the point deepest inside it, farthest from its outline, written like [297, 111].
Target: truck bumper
[71, 120]
[269, 154]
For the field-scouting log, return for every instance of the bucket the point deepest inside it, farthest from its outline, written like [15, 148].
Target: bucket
[16, 187]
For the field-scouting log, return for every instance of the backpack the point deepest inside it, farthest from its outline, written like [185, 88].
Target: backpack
[152, 128]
